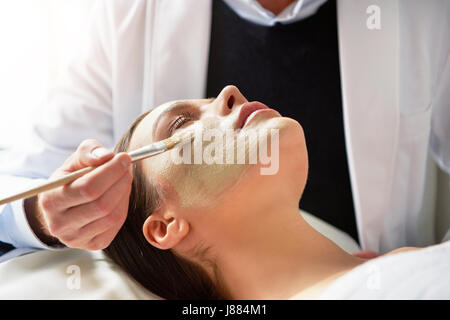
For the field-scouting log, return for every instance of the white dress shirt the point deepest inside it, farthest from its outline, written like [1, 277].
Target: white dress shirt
[252, 11]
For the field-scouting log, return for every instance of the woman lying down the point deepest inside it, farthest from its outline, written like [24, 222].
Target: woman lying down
[208, 230]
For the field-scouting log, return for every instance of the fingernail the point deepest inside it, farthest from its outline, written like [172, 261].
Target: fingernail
[125, 162]
[100, 153]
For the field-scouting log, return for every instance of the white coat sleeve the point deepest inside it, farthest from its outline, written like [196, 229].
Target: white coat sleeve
[440, 121]
[440, 118]
[80, 107]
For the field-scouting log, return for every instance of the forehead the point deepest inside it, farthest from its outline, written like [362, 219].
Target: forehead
[143, 133]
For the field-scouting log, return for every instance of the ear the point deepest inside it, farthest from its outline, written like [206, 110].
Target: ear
[164, 230]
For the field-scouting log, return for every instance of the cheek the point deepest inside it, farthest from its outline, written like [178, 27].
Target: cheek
[174, 180]
[203, 185]
[196, 184]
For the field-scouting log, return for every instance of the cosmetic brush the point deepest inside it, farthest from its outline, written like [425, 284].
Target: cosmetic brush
[136, 155]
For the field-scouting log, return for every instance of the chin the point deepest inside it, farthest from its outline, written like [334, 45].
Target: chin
[293, 152]
[290, 179]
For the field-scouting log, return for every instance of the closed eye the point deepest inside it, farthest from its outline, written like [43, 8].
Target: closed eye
[180, 121]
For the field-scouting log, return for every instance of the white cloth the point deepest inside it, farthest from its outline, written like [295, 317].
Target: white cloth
[251, 10]
[418, 274]
[69, 274]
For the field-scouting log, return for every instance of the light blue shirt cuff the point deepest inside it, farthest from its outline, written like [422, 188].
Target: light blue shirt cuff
[15, 229]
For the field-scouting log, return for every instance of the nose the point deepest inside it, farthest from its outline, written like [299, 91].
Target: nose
[229, 98]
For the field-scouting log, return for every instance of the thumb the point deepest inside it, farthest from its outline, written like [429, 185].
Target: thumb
[89, 153]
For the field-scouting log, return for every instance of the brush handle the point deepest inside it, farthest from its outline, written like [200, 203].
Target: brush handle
[136, 155]
[49, 185]
[53, 184]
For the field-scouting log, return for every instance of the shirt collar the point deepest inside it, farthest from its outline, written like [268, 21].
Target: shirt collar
[252, 11]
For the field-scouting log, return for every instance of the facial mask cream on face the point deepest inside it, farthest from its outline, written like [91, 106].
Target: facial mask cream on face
[195, 171]
[200, 181]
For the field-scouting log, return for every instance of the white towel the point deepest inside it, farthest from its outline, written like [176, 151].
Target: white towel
[417, 274]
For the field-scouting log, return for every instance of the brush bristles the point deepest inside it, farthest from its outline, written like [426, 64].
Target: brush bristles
[173, 141]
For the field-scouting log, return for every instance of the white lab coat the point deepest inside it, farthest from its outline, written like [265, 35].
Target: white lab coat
[143, 53]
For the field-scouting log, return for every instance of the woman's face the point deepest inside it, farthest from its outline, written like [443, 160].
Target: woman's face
[205, 185]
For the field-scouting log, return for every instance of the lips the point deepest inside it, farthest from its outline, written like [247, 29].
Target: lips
[247, 110]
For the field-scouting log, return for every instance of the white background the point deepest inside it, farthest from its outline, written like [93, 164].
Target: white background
[37, 39]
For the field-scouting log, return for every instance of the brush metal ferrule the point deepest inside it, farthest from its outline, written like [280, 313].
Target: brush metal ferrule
[147, 151]
[181, 138]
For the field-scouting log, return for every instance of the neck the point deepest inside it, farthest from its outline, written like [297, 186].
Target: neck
[276, 6]
[282, 258]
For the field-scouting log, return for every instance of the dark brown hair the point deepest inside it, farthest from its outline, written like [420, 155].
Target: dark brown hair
[160, 271]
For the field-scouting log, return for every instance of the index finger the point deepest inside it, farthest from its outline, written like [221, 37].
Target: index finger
[94, 184]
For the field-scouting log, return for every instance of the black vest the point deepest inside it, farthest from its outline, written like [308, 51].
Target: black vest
[294, 69]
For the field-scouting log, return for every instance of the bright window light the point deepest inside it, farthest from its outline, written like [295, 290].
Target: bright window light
[36, 37]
